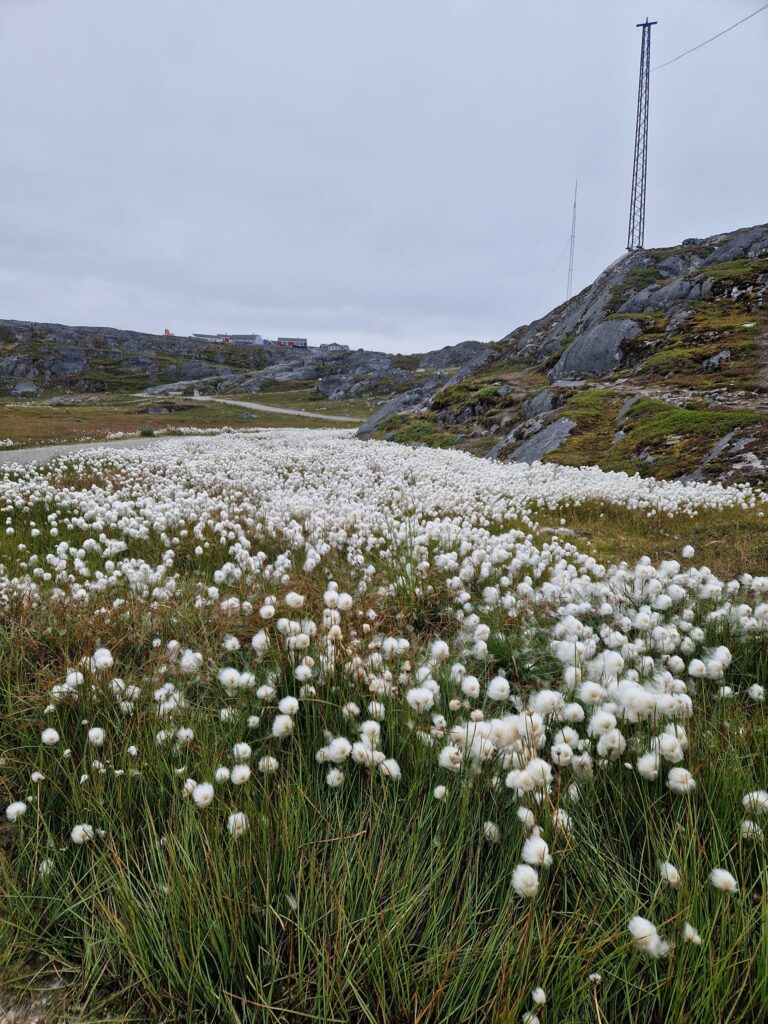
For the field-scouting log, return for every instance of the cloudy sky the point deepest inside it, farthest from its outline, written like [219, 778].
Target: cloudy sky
[393, 174]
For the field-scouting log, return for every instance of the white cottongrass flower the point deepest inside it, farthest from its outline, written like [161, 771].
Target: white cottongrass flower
[202, 794]
[15, 810]
[526, 818]
[470, 686]
[498, 689]
[81, 834]
[757, 800]
[439, 792]
[268, 765]
[648, 765]
[390, 769]
[680, 781]
[491, 831]
[420, 698]
[288, 706]
[221, 774]
[723, 880]
[101, 660]
[750, 830]
[282, 726]
[96, 737]
[669, 873]
[229, 679]
[242, 751]
[49, 737]
[691, 935]
[536, 852]
[539, 996]
[334, 778]
[240, 774]
[646, 938]
[237, 824]
[525, 881]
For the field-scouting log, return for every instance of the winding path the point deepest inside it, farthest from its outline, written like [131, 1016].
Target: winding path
[278, 409]
[25, 456]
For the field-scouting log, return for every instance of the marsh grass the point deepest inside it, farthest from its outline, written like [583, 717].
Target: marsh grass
[371, 903]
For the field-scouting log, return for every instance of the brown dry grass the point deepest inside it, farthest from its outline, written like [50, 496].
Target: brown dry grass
[31, 423]
[730, 542]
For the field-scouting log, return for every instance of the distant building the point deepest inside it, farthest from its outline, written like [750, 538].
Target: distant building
[246, 339]
[228, 339]
[291, 343]
[334, 346]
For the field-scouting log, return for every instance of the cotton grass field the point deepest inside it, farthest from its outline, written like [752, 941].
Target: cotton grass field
[297, 727]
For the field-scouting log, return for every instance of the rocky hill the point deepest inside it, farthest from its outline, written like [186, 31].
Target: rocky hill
[659, 367]
[54, 358]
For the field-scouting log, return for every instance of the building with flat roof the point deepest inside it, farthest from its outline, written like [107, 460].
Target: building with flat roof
[291, 342]
[240, 339]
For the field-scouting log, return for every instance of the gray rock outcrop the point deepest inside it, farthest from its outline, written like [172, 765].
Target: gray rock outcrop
[596, 352]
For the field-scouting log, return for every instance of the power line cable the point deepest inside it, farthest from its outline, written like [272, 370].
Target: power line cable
[708, 41]
[586, 250]
[553, 271]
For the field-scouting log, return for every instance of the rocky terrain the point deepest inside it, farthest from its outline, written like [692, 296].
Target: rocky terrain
[52, 358]
[659, 367]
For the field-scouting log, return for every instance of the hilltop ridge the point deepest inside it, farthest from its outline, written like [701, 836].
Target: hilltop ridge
[49, 357]
[660, 366]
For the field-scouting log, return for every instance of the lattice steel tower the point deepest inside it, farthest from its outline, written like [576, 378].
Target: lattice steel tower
[636, 236]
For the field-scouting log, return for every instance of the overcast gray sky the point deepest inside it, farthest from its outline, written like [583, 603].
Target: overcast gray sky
[393, 174]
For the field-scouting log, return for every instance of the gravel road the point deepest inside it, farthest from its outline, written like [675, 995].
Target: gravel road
[279, 409]
[24, 456]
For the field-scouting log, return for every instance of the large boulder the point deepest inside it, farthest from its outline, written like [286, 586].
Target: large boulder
[749, 243]
[544, 402]
[541, 441]
[596, 352]
[408, 402]
[453, 355]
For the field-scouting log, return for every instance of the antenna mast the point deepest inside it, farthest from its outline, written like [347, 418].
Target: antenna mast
[636, 237]
[573, 242]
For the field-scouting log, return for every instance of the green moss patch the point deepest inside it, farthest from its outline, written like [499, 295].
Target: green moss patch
[738, 271]
[421, 429]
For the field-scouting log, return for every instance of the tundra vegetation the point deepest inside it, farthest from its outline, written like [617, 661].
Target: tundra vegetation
[296, 727]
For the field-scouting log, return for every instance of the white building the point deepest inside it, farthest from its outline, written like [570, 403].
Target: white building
[234, 339]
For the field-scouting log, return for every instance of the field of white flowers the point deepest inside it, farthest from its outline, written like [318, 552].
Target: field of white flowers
[297, 727]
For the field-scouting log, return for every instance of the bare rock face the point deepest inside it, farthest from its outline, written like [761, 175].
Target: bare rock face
[408, 401]
[541, 403]
[539, 442]
[596, 352]
[748, 243]
[453, 355]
